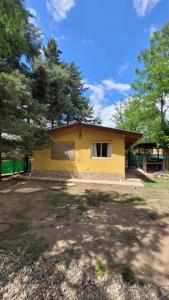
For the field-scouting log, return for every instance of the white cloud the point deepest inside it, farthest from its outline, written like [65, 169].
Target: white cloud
[123, 68]
[34, 17]
[106, 115]
[96, 97]
[33, 12]
[142, 6]
[99, 94]
[152, 30]
[61, 38]
[59, 8]
[110, 85]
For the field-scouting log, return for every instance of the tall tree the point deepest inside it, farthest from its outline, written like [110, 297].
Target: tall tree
[18, 36]
[20, 113]
[52, 52]
[147, 109]
[152, 83]
[79, 110]
[64, 88]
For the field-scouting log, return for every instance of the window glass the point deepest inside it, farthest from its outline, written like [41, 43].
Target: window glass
[98, 147]
[101, 150]
[104, 150]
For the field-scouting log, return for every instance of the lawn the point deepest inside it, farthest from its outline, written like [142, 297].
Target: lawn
[109, 227]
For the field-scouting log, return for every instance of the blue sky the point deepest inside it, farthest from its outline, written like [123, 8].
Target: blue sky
[104, 38]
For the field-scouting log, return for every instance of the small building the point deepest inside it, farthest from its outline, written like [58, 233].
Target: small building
[84, 151]
[148, 157]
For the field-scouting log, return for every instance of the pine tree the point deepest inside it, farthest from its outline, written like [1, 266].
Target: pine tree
[20, 113]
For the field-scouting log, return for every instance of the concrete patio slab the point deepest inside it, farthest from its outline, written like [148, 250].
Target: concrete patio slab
[28, 190]
[5, 191]
[56, 187]
[132, 183]
[69, 184]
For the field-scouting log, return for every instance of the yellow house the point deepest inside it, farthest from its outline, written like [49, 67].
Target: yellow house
[85, 151]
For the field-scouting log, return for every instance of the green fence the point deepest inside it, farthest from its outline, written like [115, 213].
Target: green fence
[13, 166]
[137, 160]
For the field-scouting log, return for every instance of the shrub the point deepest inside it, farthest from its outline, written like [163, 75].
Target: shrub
[100, 269]
[128, 275]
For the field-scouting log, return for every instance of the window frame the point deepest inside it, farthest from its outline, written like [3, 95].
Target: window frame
[102, 142]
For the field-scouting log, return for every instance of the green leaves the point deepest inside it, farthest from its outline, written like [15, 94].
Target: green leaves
[146, 111]
[60, 87]
[36, 91]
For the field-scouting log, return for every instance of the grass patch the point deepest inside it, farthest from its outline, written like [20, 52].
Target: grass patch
[128, 275]
[19, 228]
[71, 251]
[100, 269]
[33, 251]
[142, 281]
[136, 200]
[63, 213]
[158, 182]
[82, 208]
[60, 199]
[94, 198]
[30, 250]
[24, 207]
[20, 214]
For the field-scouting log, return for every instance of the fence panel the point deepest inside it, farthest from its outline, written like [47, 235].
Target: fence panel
[13, 166]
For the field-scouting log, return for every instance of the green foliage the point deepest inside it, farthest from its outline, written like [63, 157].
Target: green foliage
[100, 269]
[143, 281]
[63, 213]
[146, 111]
[62, 88]
[128, 275]
[18, 37]
[21, 115]
[19, 228]
[52, 52]
[35, 91]
[32, 252]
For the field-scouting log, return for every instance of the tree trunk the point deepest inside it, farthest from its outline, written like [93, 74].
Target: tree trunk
[129, 158]
[165, 159]
[26, 167]
[52, 123]
[68, 120]
[0, 159]
[162, 103]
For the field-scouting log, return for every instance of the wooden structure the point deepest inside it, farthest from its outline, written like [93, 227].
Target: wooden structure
[152, 157]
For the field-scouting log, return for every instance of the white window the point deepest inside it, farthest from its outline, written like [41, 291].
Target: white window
[101, 150]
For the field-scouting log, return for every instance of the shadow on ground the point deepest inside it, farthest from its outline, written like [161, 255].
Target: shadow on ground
[118, 229]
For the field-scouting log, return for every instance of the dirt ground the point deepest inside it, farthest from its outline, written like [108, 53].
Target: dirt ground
[118, 225]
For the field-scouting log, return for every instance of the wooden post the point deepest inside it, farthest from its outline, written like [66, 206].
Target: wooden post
[26, 163]
[167, 159]
[0, 166]
[129, 157]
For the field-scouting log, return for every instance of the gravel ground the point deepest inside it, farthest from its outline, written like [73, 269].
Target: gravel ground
[50, 279]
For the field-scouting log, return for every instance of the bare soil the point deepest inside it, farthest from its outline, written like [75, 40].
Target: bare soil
[118, 225]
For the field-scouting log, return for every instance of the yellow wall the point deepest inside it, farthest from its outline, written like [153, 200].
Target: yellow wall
[83, 160]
